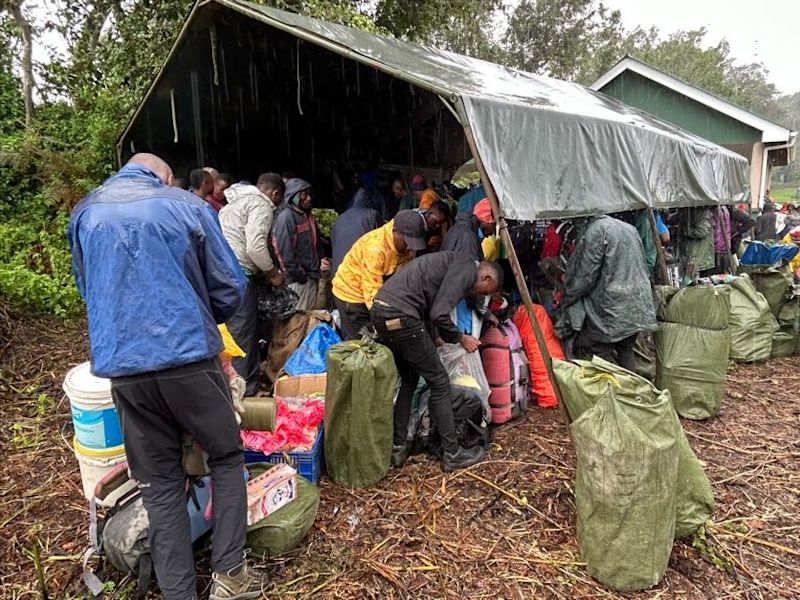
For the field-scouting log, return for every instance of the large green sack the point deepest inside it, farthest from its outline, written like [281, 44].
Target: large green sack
[283, 530]
[774, 282]
[582, 383]
[789, 321]
[627, 469]
[362, 379]
[751, 322]
[782, 344]
[692, 363]
[705, 306]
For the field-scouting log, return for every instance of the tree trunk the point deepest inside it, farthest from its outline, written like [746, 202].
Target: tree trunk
[26, 34]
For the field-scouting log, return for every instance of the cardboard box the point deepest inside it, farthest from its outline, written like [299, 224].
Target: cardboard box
[300, 386]
[270, 491]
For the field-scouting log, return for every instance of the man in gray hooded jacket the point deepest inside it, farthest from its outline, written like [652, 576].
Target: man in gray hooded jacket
[246, 224]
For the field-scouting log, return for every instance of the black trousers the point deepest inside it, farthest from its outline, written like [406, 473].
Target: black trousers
[588, 344]
[155, 409]
[415, 356]
[246, 328]
[353, 317]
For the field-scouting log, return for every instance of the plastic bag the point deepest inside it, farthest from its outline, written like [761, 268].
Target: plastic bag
[457, 361]
[277, 303]
[359, 414]
[287, 335]
[582, 383]
[230, 348]
[310, 358]
[758, 253]
[751, 322]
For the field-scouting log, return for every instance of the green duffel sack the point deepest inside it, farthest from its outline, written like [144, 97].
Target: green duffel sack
[283, 530]
[751, 323]
[359, 414]
[625, 488]
[692, 363]
[706, 306]
[775, 283]
[783, 344]
[582, 383]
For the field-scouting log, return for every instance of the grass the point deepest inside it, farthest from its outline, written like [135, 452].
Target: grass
[784, 194]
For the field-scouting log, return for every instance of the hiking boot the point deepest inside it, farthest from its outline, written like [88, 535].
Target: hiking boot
[462, 458]
[247, 583]
[400, 455]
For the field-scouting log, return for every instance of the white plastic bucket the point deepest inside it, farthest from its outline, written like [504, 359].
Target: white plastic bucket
[95, 464]
[94, 417]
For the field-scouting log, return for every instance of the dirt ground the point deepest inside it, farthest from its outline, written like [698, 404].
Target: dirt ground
[504, 529]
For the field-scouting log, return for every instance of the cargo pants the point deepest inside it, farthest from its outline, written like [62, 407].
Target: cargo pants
[155, 409]
[415, 356]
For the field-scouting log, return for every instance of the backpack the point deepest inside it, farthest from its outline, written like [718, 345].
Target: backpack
[468, 416]
[121, 538]
[507, 372]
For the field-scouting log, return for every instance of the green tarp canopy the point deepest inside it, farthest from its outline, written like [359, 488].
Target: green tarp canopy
[550, 148]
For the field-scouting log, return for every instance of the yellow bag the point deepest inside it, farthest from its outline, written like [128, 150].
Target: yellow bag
[231, 349]
[491, 248]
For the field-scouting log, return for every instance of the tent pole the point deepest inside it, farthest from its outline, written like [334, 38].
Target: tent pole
[516, 268]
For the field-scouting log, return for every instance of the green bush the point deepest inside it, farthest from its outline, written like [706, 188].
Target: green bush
[35, 267]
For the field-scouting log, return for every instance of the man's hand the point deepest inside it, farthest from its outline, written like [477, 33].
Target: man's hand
[276, 278]
[439, 342]
[469, 343]
[325, 264]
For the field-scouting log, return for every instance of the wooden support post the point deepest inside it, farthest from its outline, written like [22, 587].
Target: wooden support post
[515, 267]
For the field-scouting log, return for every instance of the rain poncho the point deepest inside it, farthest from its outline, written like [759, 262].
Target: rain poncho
[607, 282]
[696, 239]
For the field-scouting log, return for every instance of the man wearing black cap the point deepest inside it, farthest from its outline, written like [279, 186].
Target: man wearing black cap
[296, 243]
[373, 258]
[425, 293]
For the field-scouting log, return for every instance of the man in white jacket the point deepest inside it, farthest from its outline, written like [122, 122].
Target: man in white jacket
[246, 224]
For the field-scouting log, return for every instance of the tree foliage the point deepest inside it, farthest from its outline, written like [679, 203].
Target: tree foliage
[114, 48]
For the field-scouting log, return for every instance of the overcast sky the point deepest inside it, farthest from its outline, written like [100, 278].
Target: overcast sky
[758, 30]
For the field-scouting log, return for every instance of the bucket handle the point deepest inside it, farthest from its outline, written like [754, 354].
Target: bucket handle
[112, 480]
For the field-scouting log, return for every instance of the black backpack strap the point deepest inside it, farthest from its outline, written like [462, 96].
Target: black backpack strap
[145, 575]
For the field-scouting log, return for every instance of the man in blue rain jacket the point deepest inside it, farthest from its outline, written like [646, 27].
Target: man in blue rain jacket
[157, 276]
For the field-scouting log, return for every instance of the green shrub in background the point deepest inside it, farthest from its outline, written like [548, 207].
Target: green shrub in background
[35, 267]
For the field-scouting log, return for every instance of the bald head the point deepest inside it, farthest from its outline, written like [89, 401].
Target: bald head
[155, 164]
[490, 278]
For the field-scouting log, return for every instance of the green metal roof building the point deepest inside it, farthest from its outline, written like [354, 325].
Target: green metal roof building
[764, 143]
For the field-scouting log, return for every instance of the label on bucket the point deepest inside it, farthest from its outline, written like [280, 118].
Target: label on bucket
[97, 429]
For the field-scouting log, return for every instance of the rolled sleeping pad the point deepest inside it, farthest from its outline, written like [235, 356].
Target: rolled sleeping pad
[259, 413]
